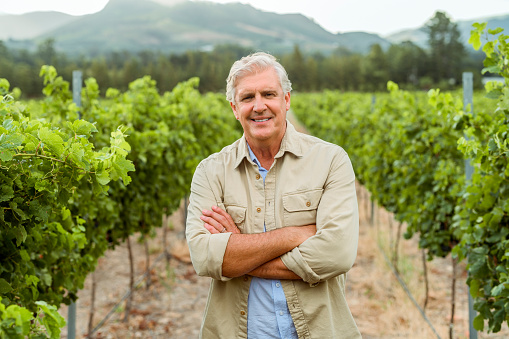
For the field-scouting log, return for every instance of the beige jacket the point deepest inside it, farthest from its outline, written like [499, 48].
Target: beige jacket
[310, 182]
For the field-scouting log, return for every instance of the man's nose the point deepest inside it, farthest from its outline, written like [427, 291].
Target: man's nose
[259, 104]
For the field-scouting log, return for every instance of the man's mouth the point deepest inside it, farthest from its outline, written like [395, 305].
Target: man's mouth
[261, 120]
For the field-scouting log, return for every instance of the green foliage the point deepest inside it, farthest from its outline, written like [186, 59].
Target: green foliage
[415, 174]
[18, 323]
[42, 166]
[482, 221]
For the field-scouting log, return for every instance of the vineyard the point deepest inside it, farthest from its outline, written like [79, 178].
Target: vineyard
[81, 178]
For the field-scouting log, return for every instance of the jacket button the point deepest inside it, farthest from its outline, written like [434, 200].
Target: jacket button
[258, 176]
[242, 313]
[246, 278]
[258, 210]
[308, 204]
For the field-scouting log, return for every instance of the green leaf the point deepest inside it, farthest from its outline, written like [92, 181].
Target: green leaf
[492, 145]
[77, 153]
[10, 141]
[52, 320]
[102, 177]
[52, 141]
[6, 192]
[479, 323]
[21, 235]
[7, 154]
[31, 280]
[474, 288]
[495, 31]
[24, 255]
[22, 318]
[120, 168]
[5, 287]
[475, 40]
[497, 290]
[83, 127]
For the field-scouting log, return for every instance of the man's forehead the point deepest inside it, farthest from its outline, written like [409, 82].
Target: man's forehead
[249, 82]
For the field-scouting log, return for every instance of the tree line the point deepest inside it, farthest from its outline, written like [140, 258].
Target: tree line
[412, 67]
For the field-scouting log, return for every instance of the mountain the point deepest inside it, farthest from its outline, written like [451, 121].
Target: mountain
[420, 37]
[179, 25]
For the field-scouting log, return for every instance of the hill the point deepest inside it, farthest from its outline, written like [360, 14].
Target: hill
[179, 25]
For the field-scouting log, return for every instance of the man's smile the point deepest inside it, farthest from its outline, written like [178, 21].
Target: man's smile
[261, 119]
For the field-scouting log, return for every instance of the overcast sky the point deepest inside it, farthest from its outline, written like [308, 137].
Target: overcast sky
[374, 16]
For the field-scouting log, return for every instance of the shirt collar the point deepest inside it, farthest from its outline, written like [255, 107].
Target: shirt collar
[290, 143]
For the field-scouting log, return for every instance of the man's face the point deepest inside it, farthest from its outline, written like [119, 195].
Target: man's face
[261, 107]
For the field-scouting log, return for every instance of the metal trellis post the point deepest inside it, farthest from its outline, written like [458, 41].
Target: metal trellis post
[76, 98]
[468, 100]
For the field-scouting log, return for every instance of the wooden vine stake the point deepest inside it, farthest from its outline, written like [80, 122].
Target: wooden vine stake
[396, 248]
[131, 280]
[92, 306]
[167, 254]
[426, 281]
[453, 297]
[147, 263]
[391, 235]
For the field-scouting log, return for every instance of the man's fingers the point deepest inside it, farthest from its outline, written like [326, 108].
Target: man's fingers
[225, 215]
[220, 220]
[210, 228]
[212, 222]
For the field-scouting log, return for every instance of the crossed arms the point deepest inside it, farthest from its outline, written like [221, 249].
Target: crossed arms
[255, 254]
[309, 253]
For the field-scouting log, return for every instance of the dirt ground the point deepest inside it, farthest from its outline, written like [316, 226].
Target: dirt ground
[172, 306]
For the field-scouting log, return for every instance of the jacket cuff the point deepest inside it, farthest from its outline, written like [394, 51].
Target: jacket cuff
[216, 250]
[294, 261]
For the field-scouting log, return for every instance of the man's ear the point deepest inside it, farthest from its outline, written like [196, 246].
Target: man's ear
[234, 109]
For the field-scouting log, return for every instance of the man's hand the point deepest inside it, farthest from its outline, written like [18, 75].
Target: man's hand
[218, 221]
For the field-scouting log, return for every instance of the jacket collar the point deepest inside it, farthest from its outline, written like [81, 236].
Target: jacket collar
[290, 143]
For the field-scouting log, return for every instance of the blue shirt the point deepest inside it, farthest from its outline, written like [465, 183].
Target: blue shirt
[267, 310]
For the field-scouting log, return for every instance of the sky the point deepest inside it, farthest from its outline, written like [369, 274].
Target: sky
[337, 16]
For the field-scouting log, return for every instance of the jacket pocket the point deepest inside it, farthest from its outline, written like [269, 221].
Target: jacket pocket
[300, 207]
[238, 214]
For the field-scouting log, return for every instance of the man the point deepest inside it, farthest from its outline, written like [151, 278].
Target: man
[273, 219]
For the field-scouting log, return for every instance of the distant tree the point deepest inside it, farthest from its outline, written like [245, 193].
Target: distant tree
[407, 63]
[26, 78]
[100, 71]
[446, 50]
[6, 62]
[295, 65]
[131, 71]
[47, 53]
[375, 69]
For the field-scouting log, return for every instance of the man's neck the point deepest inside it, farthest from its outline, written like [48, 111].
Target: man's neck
[265, 153]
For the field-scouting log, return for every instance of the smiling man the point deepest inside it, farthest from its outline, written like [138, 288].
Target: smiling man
[273, 220]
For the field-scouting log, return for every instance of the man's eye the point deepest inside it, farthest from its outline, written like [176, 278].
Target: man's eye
[247, 98]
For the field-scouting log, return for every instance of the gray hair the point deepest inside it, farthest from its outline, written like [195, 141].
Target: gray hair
[251, 64]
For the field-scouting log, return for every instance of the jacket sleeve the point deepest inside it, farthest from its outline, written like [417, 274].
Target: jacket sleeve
[206, 249]
[332, 251]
